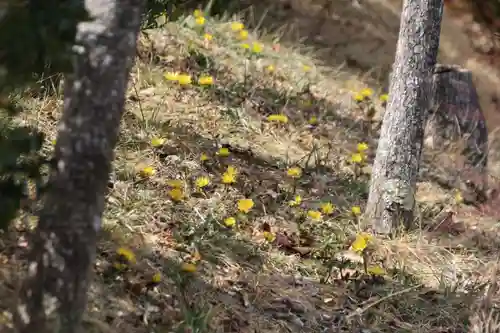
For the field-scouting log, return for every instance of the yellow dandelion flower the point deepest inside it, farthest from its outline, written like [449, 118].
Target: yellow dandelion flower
[314, 215]
[156, 278]
[357, 158]
[296, 201]
[187, 267]
[203, 157]
[126, 254]
[270, 68]
[243, 34]
[230, 222]
[237, 26]
[375, 270]
[245, 205]
[356, 210]
[176, 194]
[327, 208]
[205, 80]
[208, 37]
[184, 79]
[176, 183]
[366, 92]
[313, 120]
[198, 13]
[148, 171]
[157, 142]
[306, 68]
[257, 47]
[362, 147]
[53, 142]
[361, 242]
[269, 236]
[200, 20]
[458, 197]
[172, 76]
[384, 97]
[202, 182]
[294, 172]
[224, 152]
[280, 118]
[245, 46]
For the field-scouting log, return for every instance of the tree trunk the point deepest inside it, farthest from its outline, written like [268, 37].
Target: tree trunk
[53, 296]
[456, 126]
[391, 199]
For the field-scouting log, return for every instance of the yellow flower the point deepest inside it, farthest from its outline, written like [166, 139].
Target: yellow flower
[148, 171]
[314, 215]
[356, 158]
[296, 201]
[306, 68]
[376, 270]
[280, 118]
[269, 236]
[229, 176]
[244, 205]
[327, 208]
[359, 97]
[176, 194]
[270, 68]
[200, 20]
[245, 46]
[230, 222]
[458, 197]
[366, 92]
[187, 267]
[237, 26]
[362, 147]
[54, 142]
[356, 210]
[201, 182]
[176, 183]
[208, 36]
[184, 79]
[206, 80]
[224, 152]
[126, 254]
[171, 76]
[313, 120]
[243, 34]
[384, 97]
[257, 47]
[157, 142]
[203, 157]
[294, 172]
[361, 242]
[198, 13]
[156, 278]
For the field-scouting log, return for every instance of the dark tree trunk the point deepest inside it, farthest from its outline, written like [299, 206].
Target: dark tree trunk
[456, 125]
[391, 199]
[54, 294]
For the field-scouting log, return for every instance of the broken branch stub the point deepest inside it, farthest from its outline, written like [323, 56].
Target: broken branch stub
[456, 122]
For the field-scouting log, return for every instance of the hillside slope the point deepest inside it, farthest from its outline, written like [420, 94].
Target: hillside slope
[240, 177]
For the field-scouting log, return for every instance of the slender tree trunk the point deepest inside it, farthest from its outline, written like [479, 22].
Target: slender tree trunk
[391, 199]
[53, 296]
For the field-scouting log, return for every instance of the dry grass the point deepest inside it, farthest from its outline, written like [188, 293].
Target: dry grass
[306, 279]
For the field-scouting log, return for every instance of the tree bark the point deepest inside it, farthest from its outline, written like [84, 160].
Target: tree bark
[53, 295]
[394, 176]
[456, 124]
